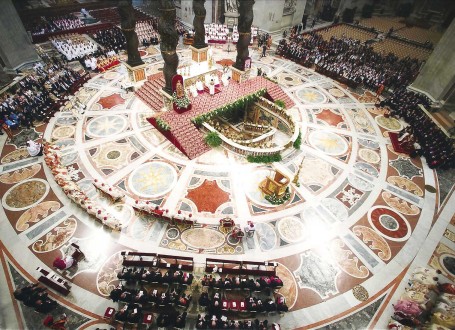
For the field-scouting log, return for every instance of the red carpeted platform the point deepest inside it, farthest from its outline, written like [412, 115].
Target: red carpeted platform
[186, 137]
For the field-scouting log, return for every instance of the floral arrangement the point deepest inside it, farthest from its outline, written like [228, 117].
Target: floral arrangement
[163, 125]
[181, 102]
[213, 139]
[275, 200]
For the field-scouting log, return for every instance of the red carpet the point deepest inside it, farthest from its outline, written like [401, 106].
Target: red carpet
[184, 134]
[396, 144]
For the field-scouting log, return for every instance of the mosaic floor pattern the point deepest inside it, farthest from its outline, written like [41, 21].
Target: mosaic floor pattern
[355, 220]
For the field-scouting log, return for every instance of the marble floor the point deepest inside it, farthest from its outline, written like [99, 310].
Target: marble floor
[361, 218]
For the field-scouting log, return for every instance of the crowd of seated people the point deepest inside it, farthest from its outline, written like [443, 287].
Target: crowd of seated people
[426, 303]
[36, 96]
[349, 60]
[235, 282]
[131, 313]
[218, 33]
[101, 61]
[168, 319]
[73, 46]
[208, 321]
[171, 276]
[147, 33]
[54, 24]
[35, 296]
[217, 304]
[112, 38]
[432, 143]
[168, 297]
[181, 30]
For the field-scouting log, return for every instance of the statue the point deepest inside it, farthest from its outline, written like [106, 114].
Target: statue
[128, 24]
[169, 41]
[232, 6]
[179, 89]
[180, 100]
[198, 23]
[244, 27]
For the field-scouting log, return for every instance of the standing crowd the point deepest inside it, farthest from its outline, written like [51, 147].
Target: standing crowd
[348, 60]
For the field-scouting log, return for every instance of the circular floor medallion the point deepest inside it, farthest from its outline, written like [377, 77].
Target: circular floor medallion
[328, 142]
[63, 132]
[336, 92]
[337, 208]
[266, 236]
[311, 95]
[111, 75]
[369, 144]
[367, 168]
[359, 183]
[361, 120]
[430, 189]
[389, 224]
[202, 238]
[25, 194]
[360, 293]
[172, 233]
[291, 229]
[369, 156]
[153, 179]
[107, 125]
[390, 123]
[114, 154]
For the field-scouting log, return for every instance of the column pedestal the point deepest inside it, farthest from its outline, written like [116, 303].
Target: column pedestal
[231, 19]
[239, 75]
[136, 73]
[199, 54]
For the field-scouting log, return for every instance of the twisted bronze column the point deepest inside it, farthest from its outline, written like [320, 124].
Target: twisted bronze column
[244, 28]
[128, 23]
[169, 41]
[198, 23]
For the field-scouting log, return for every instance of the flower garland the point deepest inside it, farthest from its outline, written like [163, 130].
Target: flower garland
[228, 107]
[181, 102]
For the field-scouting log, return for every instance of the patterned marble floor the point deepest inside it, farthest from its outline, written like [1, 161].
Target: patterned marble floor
[344, 241]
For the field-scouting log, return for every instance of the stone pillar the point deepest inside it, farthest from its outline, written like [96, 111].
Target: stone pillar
[128, 24]
[15, 45]
[198, 24]
[244, 28]
[169, 41]
[437, 76]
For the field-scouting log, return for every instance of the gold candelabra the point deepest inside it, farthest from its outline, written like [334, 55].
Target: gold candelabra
[296, 177]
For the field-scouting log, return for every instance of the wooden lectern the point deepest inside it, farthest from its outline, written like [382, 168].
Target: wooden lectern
[276, 185]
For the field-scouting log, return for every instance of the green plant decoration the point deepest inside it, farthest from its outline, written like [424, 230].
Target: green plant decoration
[213, 139]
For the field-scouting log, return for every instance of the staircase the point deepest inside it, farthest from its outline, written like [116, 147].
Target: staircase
[150, 92]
